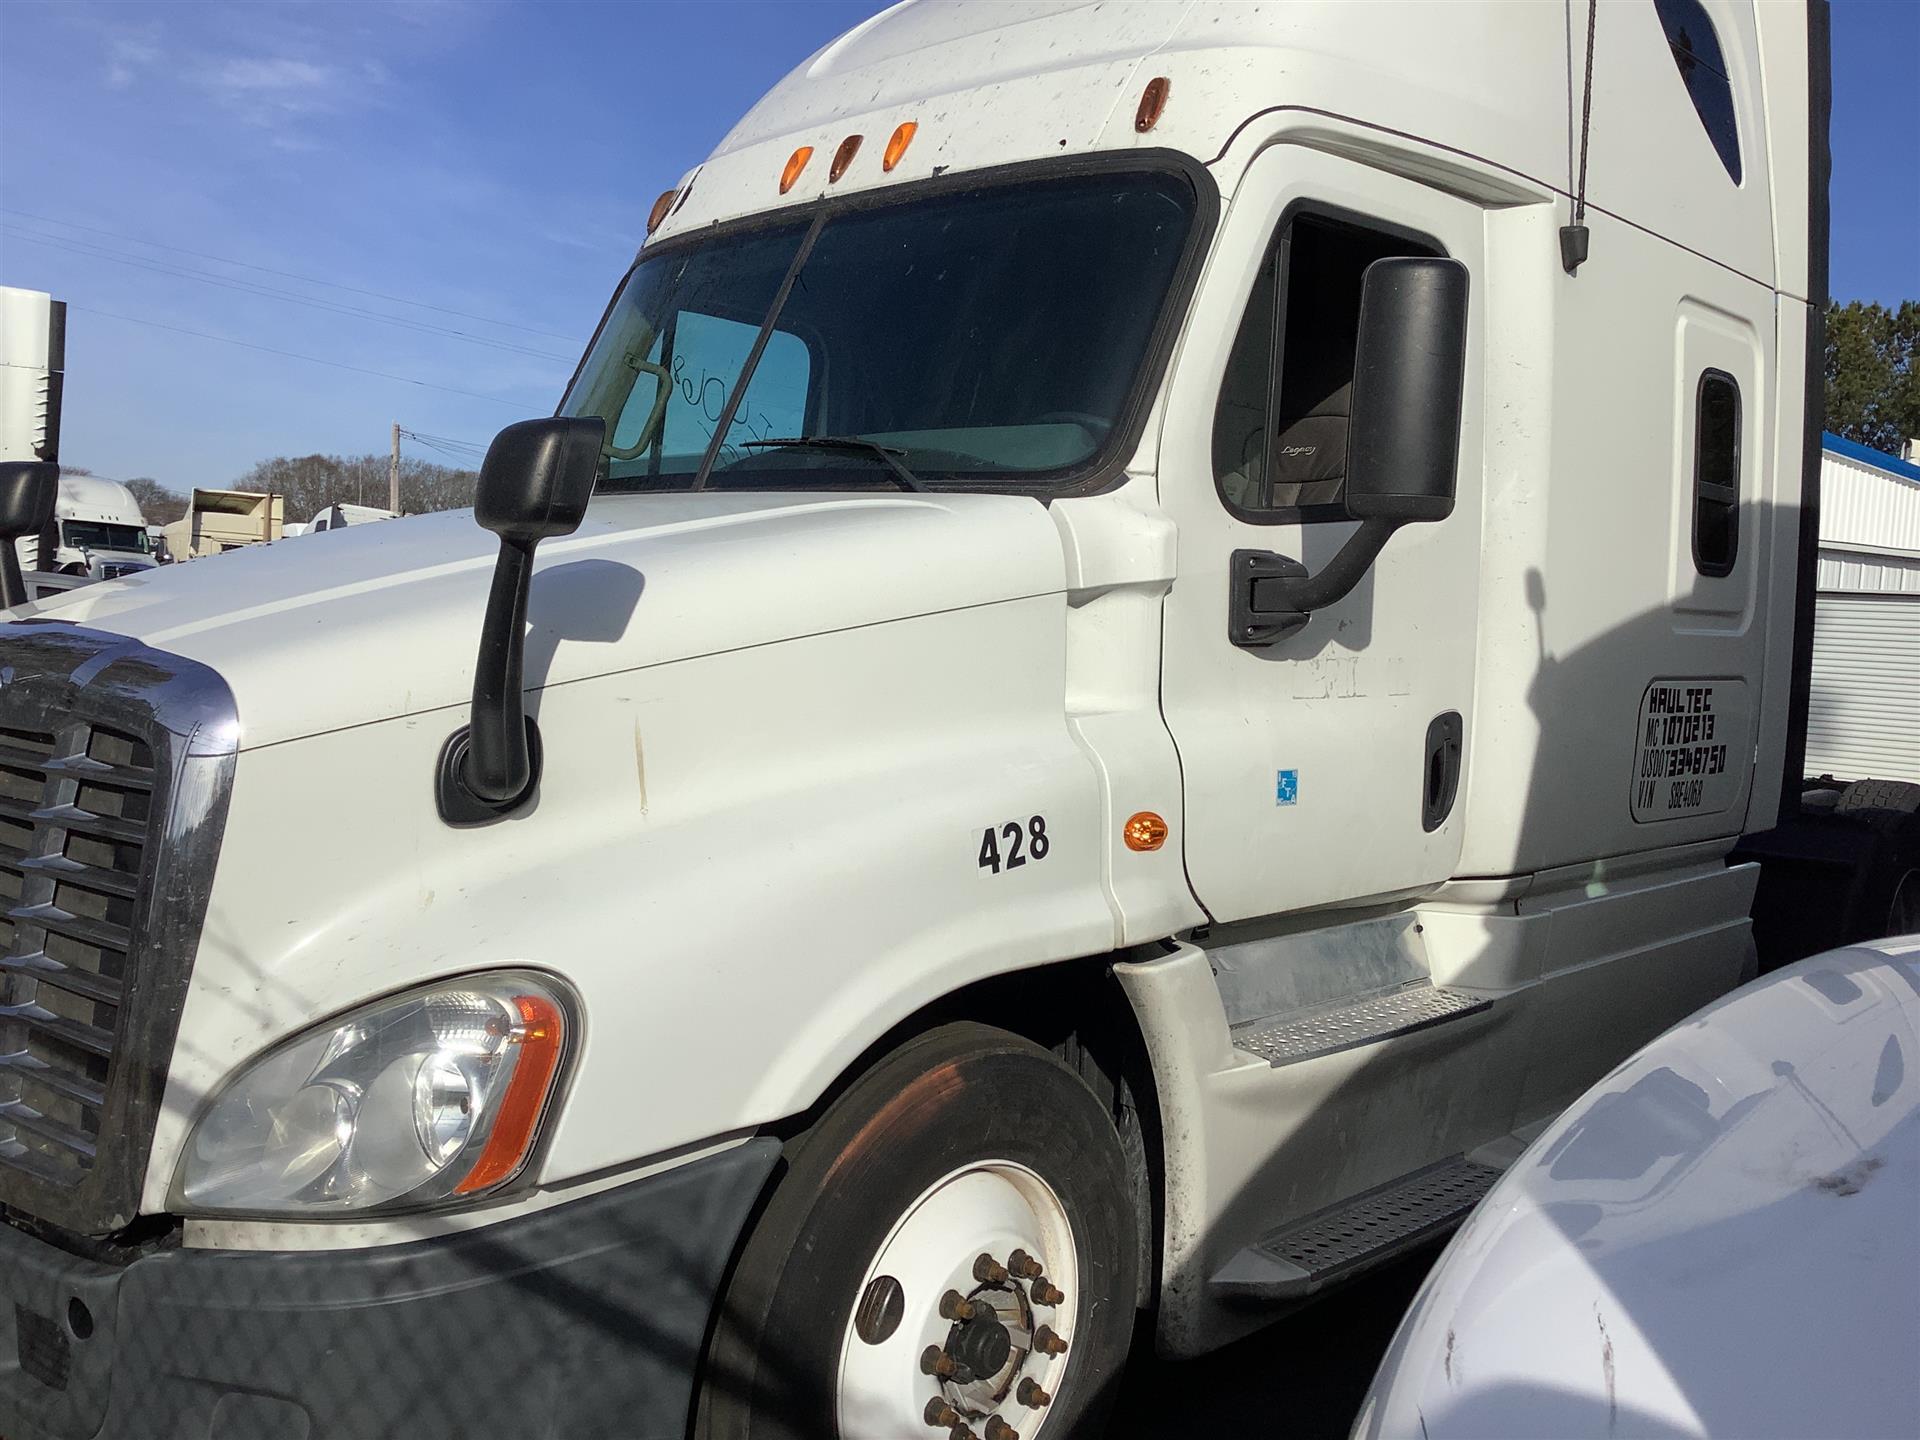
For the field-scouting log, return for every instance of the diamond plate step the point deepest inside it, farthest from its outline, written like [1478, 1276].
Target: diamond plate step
[1377, 1017]
[1299, 1259]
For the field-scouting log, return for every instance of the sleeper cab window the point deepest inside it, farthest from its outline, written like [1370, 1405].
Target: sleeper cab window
[1703, 70]
[1280, 428]
[1716, 473]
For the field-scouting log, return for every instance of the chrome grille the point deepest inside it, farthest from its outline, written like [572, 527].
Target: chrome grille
[74, 817]
[115, 765]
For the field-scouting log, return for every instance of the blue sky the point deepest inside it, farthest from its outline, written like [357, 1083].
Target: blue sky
[488, 159]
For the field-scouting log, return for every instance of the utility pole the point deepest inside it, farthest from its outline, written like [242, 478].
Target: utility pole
[393, 473]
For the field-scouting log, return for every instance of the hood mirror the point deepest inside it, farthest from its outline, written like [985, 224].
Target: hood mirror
[534, 484]
[28, 492]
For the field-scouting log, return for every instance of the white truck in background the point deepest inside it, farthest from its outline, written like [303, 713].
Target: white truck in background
[1178, 618]
[97, 532]
[337, 516]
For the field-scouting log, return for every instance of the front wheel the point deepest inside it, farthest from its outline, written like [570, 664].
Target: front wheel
[950, 1252]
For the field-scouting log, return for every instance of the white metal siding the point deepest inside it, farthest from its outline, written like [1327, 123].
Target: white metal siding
[1862, 505]
[1864, 715]
[1864, 572]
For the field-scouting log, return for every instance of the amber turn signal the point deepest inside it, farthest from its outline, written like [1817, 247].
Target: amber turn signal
[897, 146]
[796, 162]
[1144, 831]
[1153, 100]
[660, 209]
[540, 1036]
[843, 157]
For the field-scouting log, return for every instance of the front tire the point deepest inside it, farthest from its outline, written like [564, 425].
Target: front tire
[966, 1142]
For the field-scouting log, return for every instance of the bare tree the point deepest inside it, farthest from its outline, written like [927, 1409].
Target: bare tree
[158, 504]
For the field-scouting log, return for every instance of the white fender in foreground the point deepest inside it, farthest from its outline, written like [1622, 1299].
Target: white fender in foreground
[1722, 1238]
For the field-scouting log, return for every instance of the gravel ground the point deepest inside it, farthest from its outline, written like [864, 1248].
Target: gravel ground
[1300, 1379]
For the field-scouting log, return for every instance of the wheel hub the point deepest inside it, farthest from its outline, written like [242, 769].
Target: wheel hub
[981, 1345]
[986, 1269]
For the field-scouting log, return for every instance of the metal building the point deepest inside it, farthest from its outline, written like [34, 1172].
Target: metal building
[1864, 715]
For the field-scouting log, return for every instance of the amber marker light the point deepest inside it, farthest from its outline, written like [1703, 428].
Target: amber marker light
[796, 162]
[1153, 100]
[1145, 831]
[843, 157]
[540, 1036]
[897, 146]
[660, 209]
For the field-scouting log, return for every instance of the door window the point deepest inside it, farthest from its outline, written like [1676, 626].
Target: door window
[1716, 473]
[1280, 427]
[1696, 51]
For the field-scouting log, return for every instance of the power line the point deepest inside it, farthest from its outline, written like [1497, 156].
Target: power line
[295, 355]
[445, 440]
[463, 450]
[283, 274]
[249, 287]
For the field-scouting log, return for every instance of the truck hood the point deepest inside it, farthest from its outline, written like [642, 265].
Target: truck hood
[378, 621]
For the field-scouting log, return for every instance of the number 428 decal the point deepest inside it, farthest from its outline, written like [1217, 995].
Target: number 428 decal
[1032, 838]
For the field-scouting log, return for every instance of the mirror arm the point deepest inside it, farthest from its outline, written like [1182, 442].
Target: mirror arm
[13, 585]
[29, 492]
[1271, 596]
[1307, 593]
[488, 767]
[499, 766]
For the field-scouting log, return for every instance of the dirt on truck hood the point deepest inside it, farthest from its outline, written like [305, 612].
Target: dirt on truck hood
[382, 620]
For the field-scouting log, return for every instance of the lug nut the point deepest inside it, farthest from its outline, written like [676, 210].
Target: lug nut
[962, 1432]
[955, 1306]
[1048, 1343]
[998, 1429]
[1024, 1265]
[989, 1271]
[1031, 1395]
[1044, 1293]
[940, 1414]
[935, 1361]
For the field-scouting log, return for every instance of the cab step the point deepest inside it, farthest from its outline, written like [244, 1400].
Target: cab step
[1300, 1259]
[1382, 1015]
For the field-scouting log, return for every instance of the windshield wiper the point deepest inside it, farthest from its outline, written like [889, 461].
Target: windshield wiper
[850, 444]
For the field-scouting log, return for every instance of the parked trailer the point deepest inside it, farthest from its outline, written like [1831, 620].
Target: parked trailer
[221, 520]
[1844, 865]
[1172, 642]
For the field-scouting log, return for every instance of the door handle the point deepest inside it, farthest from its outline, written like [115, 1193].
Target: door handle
[1440, 776]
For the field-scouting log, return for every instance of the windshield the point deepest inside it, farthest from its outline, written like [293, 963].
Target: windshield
[987, 336]
[98, 535]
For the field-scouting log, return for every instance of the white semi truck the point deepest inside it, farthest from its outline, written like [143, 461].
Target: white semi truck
[1181, 609]
[97, 531]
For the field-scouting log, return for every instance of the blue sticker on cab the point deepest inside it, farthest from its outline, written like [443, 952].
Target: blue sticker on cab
[1286, 787]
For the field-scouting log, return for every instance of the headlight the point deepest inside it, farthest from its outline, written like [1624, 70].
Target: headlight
[427, 1096]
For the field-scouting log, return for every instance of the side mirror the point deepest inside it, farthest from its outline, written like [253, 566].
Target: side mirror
[28, 492]
[1403, 443]
[534, 483]
[1409, 379]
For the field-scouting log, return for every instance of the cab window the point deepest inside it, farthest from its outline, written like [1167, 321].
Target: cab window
[1280, 428]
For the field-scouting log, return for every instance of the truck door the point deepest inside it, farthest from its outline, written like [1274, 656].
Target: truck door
[1324, 768]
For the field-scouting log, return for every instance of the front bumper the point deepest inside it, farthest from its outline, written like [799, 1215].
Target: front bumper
[583, 1320]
